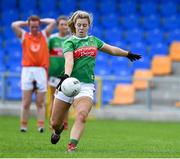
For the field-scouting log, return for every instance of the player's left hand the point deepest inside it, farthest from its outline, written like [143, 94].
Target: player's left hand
[133, 57]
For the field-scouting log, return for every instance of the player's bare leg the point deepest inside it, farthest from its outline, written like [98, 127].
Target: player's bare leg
[40, 104]
[53, 89]
[66, 122]
[60, 110]
[82, 107]
[26, 102]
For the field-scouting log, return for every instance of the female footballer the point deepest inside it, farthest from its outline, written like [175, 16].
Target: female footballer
[80, 52]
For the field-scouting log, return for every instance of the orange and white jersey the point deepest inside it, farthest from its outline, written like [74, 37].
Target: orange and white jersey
[35, 50]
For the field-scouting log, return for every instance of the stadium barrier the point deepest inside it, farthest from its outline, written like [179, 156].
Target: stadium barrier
[160, 90]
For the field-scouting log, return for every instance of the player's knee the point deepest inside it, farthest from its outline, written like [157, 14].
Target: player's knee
[82, 116]
[40, 103]
[26, 105]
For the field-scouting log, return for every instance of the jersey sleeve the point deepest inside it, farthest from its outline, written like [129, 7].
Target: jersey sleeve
[68, 46]
[98, 42]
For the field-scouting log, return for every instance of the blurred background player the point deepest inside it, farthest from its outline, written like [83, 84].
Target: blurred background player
[80, 52]
[56, 41]
[35, 62]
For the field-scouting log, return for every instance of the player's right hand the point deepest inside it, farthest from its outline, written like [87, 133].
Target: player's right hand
[62, 78]
[133, 57]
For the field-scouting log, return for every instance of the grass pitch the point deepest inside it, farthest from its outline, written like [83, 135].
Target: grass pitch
[102, 138]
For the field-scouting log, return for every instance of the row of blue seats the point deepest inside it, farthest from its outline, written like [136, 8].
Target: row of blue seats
[114, 36]
[14, 51]
[114, 16]
[13, 89]
[67, 6]
[130, 24]
[103, 61]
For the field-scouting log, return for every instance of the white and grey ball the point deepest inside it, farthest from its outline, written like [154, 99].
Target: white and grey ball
[70, 87]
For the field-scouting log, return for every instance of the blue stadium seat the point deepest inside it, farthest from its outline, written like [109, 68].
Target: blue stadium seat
[119, 62]
[107, 91]
[12, 16]
[127, 7]
[96, 20]
[158, 49]
[111, 7]
[14, 59]
[47, 5]
[134, 35]
[14, 67]
[124, 75]
[121, 44]
[169, 8]
[139, 48]
[14, 51]
[2, 66]
[155, 36]
[103, 69]
[50, 14]
[67, 6]
[110, 21]
[13, 43]
[1, 41]
[26, 14]
[13, 91]
[173, 35]
[97, 31]
[88, 5]
[102, 57]
[143, 63]
[130, 21]
[27, 5]
[8, 4]
[121, 69]
[148, 8]
[171, 22]
[113, 35]
[2, 53]
[151, 22]
[8, 33]
[2, 60]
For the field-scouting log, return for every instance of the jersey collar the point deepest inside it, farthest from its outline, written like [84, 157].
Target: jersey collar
[80, 38]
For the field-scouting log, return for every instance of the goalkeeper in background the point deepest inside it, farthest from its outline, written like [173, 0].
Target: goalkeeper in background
[56, 58]
[35, 64]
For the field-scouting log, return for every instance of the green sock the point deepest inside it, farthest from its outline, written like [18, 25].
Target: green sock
[74, 141]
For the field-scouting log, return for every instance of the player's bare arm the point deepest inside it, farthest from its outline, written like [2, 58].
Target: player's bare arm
[17, 27]
[114, 50]
[69, 62]
[51, 23]
[120, 52]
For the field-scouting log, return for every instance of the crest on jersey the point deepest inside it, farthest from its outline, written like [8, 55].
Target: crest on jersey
[91, 41]
[35, 47]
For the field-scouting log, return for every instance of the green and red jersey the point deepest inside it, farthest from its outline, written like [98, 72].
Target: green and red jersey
[84, 52]
[56, 54]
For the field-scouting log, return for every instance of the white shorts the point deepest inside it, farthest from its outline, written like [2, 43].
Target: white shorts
[30, 74]
[86, 90]
[53, 81]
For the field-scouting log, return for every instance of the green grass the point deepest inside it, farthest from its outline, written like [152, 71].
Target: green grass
[102, 138]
